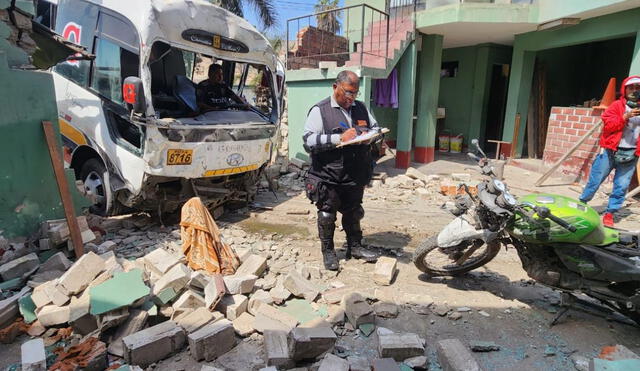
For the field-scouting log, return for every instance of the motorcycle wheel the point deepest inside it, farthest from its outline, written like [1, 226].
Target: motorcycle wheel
[430, 245]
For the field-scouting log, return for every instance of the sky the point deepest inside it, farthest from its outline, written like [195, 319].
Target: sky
[286, 9]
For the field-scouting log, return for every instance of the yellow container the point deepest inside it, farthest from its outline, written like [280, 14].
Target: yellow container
[444, 142]
[456, 144]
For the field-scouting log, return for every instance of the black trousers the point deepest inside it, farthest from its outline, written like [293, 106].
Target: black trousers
[339, 198]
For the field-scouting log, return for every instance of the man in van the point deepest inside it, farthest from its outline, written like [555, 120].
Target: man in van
[213, 93]
[338, 175]
[619, 148]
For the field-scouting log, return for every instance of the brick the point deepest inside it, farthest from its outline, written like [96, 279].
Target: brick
[400, 346]
[335, 296]
[357, 310]
[188, 300]
[194, 320]
[212, 341]
[136, 322]
[386, 310]
[80, 318]
[587, 119]
[385, 364]
[270, 318]
[233, 306]
[309, 343]
[153, 344]
[573, 118]
[113, 319]
[565, 124]
[556, 110]
[57, 262]
[277, 349]
[199, 280]
[336, 314]
[567, 111]
[558, 130]
[159, 261]
[582, 112]
[81, 273]
[561, 117]
[51, 315]
[253, 265]
[40, 297]
[454, 356]
[331, 362]
[240, 284]
[34, 357]
[214, 291]
[579, 126]
[9, 307]
[244, 325]
[385, 270]
[176, 278]
[18, 267]
[571, 131]
[279, 294]
[258, 297]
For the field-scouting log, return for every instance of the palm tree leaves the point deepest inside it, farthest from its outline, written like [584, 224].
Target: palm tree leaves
[265, 9]
[329, 21]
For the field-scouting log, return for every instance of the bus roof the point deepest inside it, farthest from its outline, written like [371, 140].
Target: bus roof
[192, 25]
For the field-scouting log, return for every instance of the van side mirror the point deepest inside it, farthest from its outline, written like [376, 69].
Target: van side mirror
[133, 94]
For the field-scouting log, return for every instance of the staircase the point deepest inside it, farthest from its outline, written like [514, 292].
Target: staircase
[377, 50]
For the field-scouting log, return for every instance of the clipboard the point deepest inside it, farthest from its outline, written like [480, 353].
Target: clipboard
[365, 137]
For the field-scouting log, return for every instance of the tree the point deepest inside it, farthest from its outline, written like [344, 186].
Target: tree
[329, 21]
[265, 9]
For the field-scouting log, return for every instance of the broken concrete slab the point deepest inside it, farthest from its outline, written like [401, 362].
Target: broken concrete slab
[112, 319]
[39, 296]
[484, 346]
[159, 261]
[233, 306]
[244, 324]
[335, 296]
[165, 296]
[277, 349]
[253, 265]
[81, 273]
[9, 308]
[258, 297]
[301, 310]
[331, 362]
[199, 280]
[194, 320]
[240, 284]
[385, 364]
[357, 310]
[385, 270]
[309, 343]
[212, 340]
[417, 363]
[153, 344]
[176, 278]
[27, 308]
[214, 291]
[34, 357]
[316, 322]
[51, 315]
[400, 346]
[57, 262]
[19, 267]
[279, 294]
[270, 318]
[357, 363]
[300, 287]
[419, 303]
[136, 322]
[336, 314]
[122, 290]
[80, 318]
[57, 293]
[454, 356]
[598, 364]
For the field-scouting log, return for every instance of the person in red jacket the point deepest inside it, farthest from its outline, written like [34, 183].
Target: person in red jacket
[619, 148]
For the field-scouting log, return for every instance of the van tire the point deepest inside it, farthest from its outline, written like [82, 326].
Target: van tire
[95, 177]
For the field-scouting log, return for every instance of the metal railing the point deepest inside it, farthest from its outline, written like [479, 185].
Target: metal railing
[428, 4]
[352, 35]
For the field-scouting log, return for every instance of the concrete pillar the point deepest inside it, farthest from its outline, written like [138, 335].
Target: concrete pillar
[635, 60]
[406, 98]
[429, 90]
[365, 90]
[520, 82]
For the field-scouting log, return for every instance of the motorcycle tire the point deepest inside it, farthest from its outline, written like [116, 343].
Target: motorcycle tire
[431, 244]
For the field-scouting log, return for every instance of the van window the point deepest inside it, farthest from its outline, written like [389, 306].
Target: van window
[111, 66]
[46, 14]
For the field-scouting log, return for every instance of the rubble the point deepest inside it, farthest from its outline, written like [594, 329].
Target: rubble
[269, 318]
[153, 344]
[277, 349]
[193, 320]
[385, 270]
[300, 287]
[357, 310]
[386, 310]
[212, 340]
[122, 290]
[33, 356]
[417, 363]
[189, 300]
[385, 364]
[400, 346]
[233, 306]
[244, 325]
[454, 356]
[159, 261]
[19, 267]
[257, 298]
[333, 363]
[57, 262]
[308, 343]
[51, 315]
[136, 322]
[81, 273]
[484, 346]
[176, 278]
[253, 265]
[240, 284]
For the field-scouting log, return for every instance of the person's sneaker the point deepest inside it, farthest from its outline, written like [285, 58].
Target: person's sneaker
[607, 219]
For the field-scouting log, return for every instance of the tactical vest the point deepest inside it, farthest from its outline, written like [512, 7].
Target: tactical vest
[348, 165]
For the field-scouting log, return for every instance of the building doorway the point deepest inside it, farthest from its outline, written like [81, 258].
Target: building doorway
[497, 104]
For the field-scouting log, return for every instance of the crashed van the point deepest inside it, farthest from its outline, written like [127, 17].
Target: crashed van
[133, 128]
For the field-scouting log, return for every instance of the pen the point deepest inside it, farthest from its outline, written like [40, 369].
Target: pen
[344, 125]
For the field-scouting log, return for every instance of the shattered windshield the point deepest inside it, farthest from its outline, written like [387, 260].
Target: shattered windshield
[186, 84]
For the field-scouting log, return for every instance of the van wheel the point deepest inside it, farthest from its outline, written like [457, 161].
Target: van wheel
[96, 183]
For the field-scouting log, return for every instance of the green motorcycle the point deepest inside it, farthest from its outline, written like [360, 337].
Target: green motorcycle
[559, 240]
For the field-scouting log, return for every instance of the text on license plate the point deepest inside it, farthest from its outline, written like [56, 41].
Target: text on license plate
[179, 156]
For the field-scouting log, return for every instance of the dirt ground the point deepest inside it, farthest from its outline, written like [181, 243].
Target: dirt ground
[506, 307]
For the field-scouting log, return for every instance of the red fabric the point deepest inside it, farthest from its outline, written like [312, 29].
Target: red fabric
[614, 122]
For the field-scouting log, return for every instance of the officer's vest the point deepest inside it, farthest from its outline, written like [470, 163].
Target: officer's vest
[348, 165]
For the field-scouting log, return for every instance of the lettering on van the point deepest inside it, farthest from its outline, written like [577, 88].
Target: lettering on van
[234, 148]
[73, 32]
[215, 41]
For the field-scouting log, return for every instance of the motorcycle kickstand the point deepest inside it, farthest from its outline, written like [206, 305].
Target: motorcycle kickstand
[566, 301]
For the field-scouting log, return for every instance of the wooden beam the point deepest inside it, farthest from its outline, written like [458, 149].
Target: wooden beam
[516, 134]
[63, 187]
[566, 155]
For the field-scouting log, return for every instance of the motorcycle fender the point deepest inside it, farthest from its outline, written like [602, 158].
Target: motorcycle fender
[460, 230]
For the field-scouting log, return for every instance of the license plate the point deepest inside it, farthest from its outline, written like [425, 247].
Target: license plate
[179, 156]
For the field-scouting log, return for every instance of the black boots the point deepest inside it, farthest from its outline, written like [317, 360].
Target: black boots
[351, 225]
[326, 229]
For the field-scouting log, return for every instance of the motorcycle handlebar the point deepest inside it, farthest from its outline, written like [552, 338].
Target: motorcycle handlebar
[545, 213]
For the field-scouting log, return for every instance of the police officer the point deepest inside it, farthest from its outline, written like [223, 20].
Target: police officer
[338, 175]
